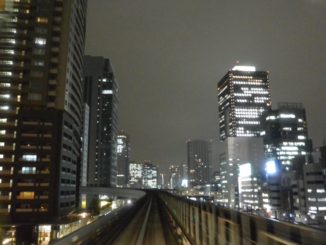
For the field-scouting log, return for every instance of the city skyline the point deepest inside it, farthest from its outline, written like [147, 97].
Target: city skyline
[193, 83]
[168, 66]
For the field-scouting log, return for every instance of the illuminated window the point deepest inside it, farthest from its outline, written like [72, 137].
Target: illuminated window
[5, 107]
[26, 195]
[5, 96]
[42, 20]
[5, 85]
[7, 51]
[38, 63]
[109, 91]
[40, 41]
[6, 62]
[28, 170]
[30, 157]
[6, 73]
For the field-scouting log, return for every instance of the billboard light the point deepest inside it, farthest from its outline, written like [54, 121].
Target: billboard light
[245, 170]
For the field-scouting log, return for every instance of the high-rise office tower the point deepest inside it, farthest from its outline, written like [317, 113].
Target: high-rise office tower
[199, 160]
[41, 68]
[239, 151]
[174, 177]
[123, 150]
[243, 96]
[101, 95]
[184, 174]
[136, 175]
[285, 133]
[150, 175]
[285, 137]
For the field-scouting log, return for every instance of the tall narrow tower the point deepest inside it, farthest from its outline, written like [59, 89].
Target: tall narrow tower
[199, 161]
[123, 150]
[101, 92]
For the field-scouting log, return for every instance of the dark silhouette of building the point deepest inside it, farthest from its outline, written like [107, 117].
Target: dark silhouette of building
[101, 95]
[199, 161]
[285, 133]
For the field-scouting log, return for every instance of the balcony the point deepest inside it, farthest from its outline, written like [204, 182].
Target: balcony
[51, 104]
[5, 198]
[29, 147]
[6, 160]
[25, 197]
[45, 160]
[29, 135]
[24, 210]
[6, 148]
[6, 172]
[5, 185]
[52, 93]
[4, 211]
[53, 82]
[22, 184]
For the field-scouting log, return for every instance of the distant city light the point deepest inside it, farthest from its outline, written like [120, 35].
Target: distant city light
[270, 167]
[244, 68]
[184, 183]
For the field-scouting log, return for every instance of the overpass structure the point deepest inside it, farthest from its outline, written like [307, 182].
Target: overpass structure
[208, 224]
[163, 218]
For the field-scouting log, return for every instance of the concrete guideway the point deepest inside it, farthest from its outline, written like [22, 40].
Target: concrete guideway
[146, 228]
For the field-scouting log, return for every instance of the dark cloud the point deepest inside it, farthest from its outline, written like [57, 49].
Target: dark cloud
[168, 56]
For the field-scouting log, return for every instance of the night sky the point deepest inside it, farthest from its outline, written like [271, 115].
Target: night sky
[169, 54]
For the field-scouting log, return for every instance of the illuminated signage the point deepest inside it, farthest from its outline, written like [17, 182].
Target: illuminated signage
[244, 68]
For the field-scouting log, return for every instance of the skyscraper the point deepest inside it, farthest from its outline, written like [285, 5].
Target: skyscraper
[136, 175]
[41, 67]
[286, 134]
[243, 96]
[239, 151]
[174, 177]
[150, 175]
[123, 150]
[101, 95]
[285, 137]
[199, 160]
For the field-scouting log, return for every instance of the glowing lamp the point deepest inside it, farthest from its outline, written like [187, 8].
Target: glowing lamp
[270, 167]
